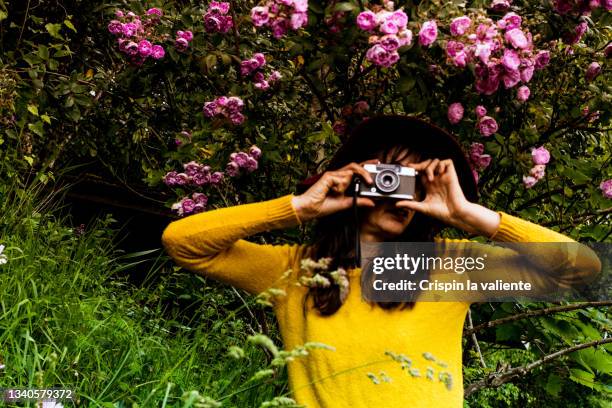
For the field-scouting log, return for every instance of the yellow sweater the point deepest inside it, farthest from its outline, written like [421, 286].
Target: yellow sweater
[212, 244]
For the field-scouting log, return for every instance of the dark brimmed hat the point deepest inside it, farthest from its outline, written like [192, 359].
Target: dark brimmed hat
[383, 131]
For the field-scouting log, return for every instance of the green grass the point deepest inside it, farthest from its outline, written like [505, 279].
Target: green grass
[71, 317]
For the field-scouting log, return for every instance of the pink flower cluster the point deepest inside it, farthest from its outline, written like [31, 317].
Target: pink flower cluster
[501, 51]
[216, 19]
[183, 38]
[195, 174]
[253, 68]
[540, 158]
[500, 5]
[241, 160]
[574, 37]
[580, 7]
[593, 71]
[487, 125]
[388, 32]
[136, 34]
[226, 107]
[281, 16]
[191, 205]
[606, 188]
[478, 160]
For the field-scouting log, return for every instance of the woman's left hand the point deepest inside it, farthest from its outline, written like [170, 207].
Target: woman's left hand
[445, 201]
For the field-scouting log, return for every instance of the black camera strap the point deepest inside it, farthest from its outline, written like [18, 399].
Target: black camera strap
[356, 221]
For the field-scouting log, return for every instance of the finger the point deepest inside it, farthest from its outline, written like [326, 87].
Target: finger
[445, 166]
[412, 205]
[429, 170]
[358, 169]
[421, 165]
[365, 202]
[340, 184]
[371, 161]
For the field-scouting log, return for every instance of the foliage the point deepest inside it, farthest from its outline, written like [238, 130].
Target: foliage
[67, 94]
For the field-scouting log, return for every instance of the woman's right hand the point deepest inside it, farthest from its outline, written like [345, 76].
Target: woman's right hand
[326, 196]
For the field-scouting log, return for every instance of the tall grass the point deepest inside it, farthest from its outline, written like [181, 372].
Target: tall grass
[70, 317]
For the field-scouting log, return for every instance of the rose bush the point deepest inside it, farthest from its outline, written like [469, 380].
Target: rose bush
[286, 80]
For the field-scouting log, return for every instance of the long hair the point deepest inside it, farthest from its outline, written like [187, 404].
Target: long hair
[336, 236]
[387, 137]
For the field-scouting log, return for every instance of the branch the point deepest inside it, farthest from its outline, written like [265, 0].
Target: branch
[542, 196]
[475, 340]
[534, 313]
[318, 94]
[495, 379]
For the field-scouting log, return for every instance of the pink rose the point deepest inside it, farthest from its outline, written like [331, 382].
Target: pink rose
[144, 48]
[484, 161]
[388, 27]
[188, 35]
[460, 25]
[512, 21]
[157, 52]
[487, 126]
[540, 155]
[529, 181]
[428, 33]
[606, 188]
[522, 94]
[480, 111]
[517, 38]
[592, 71]
[399, 18]
[255, 152]
[115, 27]
[366, 20]
[455, 113]
[511, 59]
[390, 42]
[500, 5]
[405, 37]
[232, 169]
[154, 11]
[542, 59]
[538, 171]
[260, 16]
[299, 20]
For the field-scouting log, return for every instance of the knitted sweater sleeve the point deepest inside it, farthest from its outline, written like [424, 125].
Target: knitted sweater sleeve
[211, 243]
[535, 254]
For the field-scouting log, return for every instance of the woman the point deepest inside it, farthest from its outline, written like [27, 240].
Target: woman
[386, 355]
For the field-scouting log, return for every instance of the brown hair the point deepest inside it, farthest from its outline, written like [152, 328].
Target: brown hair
[336, 239]
[382, 136]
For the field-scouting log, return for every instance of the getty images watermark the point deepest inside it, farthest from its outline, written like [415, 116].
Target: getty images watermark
[476, 272]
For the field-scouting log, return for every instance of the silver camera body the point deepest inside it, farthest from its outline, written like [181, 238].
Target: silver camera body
[390, 181]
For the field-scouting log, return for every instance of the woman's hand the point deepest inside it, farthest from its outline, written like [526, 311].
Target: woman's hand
[327, 196]
[445, 201]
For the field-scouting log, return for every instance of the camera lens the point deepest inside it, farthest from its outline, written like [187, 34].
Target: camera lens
[387, 181]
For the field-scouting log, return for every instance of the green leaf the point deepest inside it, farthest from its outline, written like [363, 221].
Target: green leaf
[46, 119]
[43, 52]
[553, 385]
[507, 332]
[345, 6]
[592, 358]
[582, 377]
[69, 24]
[33, 109]
[36, 128]
[53, 30]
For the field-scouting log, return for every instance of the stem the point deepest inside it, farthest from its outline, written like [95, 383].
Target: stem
[534, 313]
[494, 380]
[475, 340]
